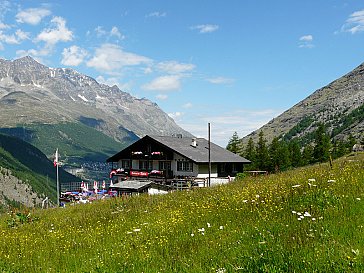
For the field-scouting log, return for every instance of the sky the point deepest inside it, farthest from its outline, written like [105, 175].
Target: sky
[235, 64]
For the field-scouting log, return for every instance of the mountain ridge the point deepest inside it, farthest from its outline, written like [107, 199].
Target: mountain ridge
[328, 105]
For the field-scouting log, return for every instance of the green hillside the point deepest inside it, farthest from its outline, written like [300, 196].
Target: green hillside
[74, 140]
[29, 164]
[305, 220]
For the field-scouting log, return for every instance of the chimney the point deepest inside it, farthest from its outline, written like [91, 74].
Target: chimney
[194, 143]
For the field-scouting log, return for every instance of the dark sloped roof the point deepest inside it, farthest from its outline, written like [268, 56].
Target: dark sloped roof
[198, 154]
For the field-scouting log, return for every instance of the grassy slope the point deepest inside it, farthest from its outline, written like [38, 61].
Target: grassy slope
[73, 139]
[29, 164]
[248, 226]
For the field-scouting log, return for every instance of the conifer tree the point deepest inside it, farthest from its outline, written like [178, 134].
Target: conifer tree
[250, 154]
[295, 153]
[274, 155]
[234, 144]
[322, 147]
[262, 155]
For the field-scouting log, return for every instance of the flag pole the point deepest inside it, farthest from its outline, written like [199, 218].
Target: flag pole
[57, 187]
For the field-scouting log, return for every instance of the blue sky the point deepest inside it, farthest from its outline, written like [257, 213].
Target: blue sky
[236, 64]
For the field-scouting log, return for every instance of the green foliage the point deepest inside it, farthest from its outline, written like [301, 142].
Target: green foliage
[321, 151]
[346, 121]
[300, 127]
[306, 220]
[30, 165]
[234, 144]
[262, 155]
[72, 139]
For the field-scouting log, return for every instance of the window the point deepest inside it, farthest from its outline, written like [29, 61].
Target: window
[164, 165]
[143, 165]
[184, 166]
[125, 164]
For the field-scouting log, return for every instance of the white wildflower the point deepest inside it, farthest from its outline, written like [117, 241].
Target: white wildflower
[294, 212]
[299, 213]
[311, 180]
[306, 214]
[313, 219]
[192, 234]
[208, 225]
[221, 227]
[257, 195]
[221, 270]
[296, 186]
[245, 201]
[201, 229]
[331, 181]
[358, 198]
[136, 229]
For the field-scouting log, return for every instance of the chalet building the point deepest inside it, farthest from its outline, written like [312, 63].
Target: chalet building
[169, 157]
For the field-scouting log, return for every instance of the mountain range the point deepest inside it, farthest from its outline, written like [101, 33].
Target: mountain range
[39, 104]
[339, 106]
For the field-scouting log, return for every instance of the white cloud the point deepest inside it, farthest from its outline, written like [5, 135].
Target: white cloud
[164, 83]
[111, 57]
[220, 80]
[176, 115]
[32, 16]
[162, 96]
[206, 28]
[15, 38]
[306, 41]
[113, 81]
[115, 32]
[60, 33]
[100, 31]
[187, 105]
[173, 67]
[4, 26]
[73, 56]
[306, 38]
[355, 22]
[156, 14]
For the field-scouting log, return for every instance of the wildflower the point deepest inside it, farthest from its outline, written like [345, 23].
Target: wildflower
[245, 201]
[201, 229]
[313, 219]
[299, 219]
[257, 195]
[358, 198]
[306, 214]
[262, 243]
[192, 234]
[221, 227]
[296, 186]
[221, 270]
[136, 229]
[208, 225]
[294, 212]
[299, 213]
[311, 180]
[129, 232]
[331, 181]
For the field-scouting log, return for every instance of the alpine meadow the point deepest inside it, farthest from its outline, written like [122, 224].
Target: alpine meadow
[305, 220]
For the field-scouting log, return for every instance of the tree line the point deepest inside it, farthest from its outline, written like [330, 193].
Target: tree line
[282, 154]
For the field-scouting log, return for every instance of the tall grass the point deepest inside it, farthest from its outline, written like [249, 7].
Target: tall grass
[309, 219]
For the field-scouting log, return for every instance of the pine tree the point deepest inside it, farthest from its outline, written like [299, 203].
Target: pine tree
[250, 154]
[295, 153]
[274, 155]
[284, 157]
[322, 147]
[262, 155]
[307, 155]
[234, 144]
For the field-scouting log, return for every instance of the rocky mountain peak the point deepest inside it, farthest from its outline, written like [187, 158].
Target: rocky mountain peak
[70, 95]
